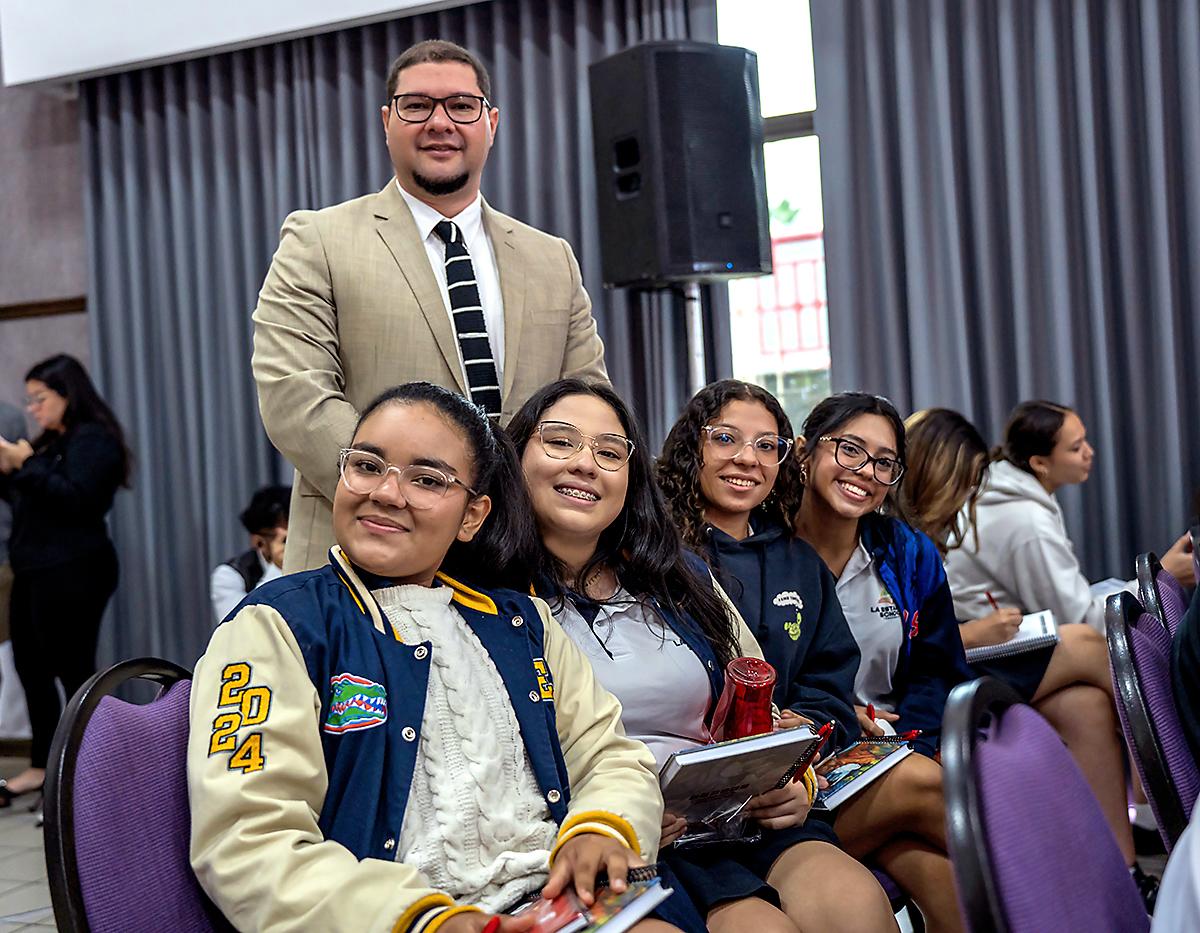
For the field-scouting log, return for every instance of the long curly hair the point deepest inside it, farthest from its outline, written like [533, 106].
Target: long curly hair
[642, 545]
[682, 458]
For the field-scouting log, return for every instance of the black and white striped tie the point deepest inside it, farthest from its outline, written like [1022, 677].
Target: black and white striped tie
[469, 324]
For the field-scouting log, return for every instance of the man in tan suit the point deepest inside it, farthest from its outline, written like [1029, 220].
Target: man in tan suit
[420, 281]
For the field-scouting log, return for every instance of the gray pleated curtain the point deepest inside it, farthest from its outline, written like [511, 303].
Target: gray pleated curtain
[1012, 209]
[191, 169]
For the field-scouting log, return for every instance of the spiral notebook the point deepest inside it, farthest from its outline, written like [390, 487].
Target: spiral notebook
[1038, 630]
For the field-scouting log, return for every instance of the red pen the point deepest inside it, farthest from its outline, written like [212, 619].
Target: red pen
[909, 735]
[823, 735]
[992, 600]
[871, 711]
[492, 925]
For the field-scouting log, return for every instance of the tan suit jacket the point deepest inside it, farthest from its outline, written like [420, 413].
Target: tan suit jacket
[350, 307]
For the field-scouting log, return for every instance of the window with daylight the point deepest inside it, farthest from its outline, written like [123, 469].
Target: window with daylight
[780, 332]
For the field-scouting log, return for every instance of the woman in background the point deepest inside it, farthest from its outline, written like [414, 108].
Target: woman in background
[61, 486]
[1068, 683]
[659, 633]
[1017, 547]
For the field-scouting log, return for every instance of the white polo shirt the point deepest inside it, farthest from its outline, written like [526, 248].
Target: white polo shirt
[874, 621]
[662, 685]
[483, 259]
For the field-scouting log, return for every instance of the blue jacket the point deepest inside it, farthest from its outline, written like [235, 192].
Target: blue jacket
[932, 661]
[787, 597]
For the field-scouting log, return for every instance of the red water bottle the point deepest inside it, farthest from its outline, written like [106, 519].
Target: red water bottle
[745, 705]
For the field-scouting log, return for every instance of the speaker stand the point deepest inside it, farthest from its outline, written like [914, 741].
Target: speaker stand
[697, 371]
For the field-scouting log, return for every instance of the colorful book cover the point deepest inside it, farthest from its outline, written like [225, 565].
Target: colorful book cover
[856, 766]
[612, 911]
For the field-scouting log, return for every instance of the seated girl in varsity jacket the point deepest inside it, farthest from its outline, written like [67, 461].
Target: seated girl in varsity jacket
[659, 632]
[380, 746]
[894, 595]
[731, 479]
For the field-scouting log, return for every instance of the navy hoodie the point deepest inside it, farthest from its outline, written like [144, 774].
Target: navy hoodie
[787, 597]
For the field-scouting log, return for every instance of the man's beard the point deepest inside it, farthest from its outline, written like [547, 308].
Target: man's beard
[440, 186]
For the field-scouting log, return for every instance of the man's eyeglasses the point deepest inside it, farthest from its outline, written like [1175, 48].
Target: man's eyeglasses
[563, 441]
[422, 486]
[851, 455]
[461, 108]
[727, 443]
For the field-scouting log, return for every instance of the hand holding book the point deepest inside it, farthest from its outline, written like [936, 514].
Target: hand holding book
[582, 857]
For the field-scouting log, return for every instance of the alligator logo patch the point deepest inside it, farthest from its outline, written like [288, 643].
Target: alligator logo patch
[355, 703]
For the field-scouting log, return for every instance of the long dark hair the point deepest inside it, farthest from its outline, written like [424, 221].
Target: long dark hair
[682, 459]
[505, 549]
[642, 545]
[1032, 431]
[65, 375]
[830, 414]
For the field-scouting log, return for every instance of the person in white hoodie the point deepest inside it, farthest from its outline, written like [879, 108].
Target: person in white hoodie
[1068, 683]
[1015, 545]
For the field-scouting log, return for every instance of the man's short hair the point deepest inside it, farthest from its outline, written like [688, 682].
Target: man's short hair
[437, 50]
[268, 510]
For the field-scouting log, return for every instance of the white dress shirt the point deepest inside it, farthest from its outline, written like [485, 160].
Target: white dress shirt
[227, 588]
[483, 259]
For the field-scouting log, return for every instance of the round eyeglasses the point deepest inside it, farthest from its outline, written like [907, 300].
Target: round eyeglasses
[727, 443]
[421, 486]
[562, 441]
[852, 456]
[461, 108]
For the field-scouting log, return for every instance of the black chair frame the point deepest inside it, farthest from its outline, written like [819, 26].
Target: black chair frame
[1122, 612]
[61, 871]
[1147, 567]
[967, 709]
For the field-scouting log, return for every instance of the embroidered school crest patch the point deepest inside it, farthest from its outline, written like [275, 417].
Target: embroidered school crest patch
[355, 703]
[791, 598]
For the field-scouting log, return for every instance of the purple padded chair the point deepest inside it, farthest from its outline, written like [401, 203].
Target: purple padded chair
[117, 819]
[1139, 654]
[1161, 594]
[1030, 847]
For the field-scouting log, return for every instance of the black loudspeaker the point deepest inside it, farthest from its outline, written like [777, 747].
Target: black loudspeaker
[680, 177]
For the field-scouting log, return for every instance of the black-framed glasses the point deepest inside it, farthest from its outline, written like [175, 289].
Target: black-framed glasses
[461, 108]
[726, 443]
[852, 456]
[562, 441]
[422, 487]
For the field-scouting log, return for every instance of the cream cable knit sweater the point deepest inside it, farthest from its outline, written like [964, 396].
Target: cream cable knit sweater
[476, 824]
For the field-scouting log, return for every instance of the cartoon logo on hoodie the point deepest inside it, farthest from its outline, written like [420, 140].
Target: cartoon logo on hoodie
[791, 598]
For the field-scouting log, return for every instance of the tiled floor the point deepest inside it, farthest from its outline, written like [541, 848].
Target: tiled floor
[24, 894]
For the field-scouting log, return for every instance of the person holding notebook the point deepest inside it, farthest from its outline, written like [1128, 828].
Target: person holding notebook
[404, 739]
[731, 480]
[659, 633]
[1069, 682]
[891, 585]
[1017, 548]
